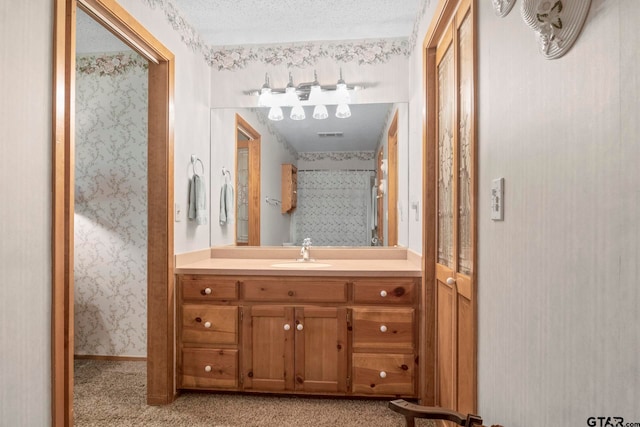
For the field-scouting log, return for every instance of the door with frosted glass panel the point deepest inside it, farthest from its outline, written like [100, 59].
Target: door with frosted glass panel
[455, 277]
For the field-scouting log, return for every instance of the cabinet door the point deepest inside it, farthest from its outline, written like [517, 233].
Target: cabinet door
[321, 349]
[268, 345]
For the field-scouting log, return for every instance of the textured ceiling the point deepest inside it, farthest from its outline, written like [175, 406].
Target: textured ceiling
[243, 22]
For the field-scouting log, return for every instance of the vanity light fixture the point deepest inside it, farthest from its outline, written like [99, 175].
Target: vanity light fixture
[342, 111]
[315, 97]
[264, 98]
[312, 94]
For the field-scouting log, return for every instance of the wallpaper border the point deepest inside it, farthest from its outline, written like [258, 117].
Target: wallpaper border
[372, 51]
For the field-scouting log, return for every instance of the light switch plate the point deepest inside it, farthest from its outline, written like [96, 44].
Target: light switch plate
[497, 199]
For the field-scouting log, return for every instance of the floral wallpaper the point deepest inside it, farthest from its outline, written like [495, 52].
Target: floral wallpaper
[294, 55]
[307, 54]
[111, 205]
[334, 208]
[313, 156]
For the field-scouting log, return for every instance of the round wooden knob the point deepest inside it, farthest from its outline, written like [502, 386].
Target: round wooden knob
[383, 328]
[207, 368]
[383, 294]
[299, 327]
[287, 327]
[207, 324]
[383, 374]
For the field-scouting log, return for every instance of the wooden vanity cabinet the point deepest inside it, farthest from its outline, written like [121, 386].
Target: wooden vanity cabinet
[384, 357]
[208, 326]
[327, 335]
[289, 188]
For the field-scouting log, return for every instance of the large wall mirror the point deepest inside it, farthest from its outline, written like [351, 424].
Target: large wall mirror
[351, 180]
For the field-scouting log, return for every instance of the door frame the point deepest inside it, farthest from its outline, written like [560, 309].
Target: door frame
[392, 182]
[254, 181]
[160, 251]
[442, 17]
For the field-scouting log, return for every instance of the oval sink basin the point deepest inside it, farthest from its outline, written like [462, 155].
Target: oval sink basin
[301, 265]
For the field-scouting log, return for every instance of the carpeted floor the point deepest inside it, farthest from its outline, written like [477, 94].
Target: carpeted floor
[109, 393]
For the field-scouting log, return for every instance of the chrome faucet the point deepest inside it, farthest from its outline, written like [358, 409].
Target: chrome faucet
[304, 251]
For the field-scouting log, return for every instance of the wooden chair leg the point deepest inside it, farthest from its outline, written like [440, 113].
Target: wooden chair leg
[412, 411]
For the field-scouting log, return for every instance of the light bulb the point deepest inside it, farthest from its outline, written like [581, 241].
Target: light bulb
[275, 114]
[320, 112]
[297, 113]
[343, 111]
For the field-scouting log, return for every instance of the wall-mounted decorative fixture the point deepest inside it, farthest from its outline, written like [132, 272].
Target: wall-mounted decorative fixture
[557, 23]
[503, 7]
[383, 167]
[312, 93]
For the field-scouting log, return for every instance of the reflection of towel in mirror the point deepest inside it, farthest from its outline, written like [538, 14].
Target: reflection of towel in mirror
[197, 200]
[226, 203]
[374, 207]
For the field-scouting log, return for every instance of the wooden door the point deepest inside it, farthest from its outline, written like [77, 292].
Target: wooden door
[268, 346]
[455, 219]
[321, 349]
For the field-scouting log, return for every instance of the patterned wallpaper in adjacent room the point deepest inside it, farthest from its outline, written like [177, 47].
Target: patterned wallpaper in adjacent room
[111, 205]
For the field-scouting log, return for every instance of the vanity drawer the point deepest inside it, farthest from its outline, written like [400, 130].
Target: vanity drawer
[379, 328]
[208, 288]
[209, 368]
[384, 291]
[295, 290]
[383, 374]
[209, 324]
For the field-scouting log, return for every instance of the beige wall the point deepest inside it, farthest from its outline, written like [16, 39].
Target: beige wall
[558, 339]
[558, 279]
[25, 211]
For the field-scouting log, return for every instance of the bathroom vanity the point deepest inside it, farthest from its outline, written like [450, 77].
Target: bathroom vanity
[256, 320]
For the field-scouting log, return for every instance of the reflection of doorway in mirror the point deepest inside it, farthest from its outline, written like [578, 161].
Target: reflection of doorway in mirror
[380, 198]
[392, 182]
[247, 184]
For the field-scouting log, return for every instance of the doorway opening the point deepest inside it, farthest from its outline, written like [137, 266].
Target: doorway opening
[160, 253]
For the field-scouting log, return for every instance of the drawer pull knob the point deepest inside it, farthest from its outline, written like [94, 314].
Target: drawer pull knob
[383, 328]
[207, 368]
[383, 294]
[383, 374]
[206, 291]
[207, 324]
[299, 327]
[451, 281]
[287, 326]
